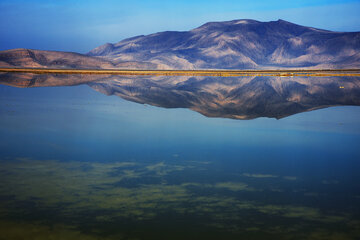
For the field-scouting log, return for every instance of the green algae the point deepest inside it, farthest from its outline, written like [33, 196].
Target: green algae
[98, 195]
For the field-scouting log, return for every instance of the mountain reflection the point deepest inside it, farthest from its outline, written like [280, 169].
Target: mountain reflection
[245, 97]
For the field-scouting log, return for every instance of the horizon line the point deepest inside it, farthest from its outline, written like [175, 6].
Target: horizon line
[189, 72]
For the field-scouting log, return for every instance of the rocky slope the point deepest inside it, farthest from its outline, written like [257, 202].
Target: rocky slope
[240, 44]
[53, 59]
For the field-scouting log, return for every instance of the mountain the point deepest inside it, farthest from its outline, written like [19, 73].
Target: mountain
[240, 44]
[233, 97]
[54, 59]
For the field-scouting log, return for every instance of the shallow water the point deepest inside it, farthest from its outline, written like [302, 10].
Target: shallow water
[83, 164]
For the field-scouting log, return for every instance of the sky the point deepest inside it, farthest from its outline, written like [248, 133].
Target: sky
[81, 25]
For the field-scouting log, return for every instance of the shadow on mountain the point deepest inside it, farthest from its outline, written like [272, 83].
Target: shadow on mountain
[227, 97]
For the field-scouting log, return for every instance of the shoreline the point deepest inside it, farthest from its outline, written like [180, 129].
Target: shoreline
[205, 72]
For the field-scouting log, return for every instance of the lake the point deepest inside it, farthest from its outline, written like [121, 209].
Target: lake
[164, 157]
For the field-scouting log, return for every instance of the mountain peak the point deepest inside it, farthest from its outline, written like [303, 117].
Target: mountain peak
[236, 44]
[225, 23]
[240, 44]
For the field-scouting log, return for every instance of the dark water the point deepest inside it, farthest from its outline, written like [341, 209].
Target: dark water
[78, 164]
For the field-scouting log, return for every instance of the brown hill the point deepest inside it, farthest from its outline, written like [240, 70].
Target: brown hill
[53, 59]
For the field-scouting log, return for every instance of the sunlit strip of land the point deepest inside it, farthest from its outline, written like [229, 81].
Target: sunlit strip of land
[219, 73]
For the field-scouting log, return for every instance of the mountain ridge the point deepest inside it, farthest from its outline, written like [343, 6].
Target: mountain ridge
[30, 58]
[239, 44]
[235, 44]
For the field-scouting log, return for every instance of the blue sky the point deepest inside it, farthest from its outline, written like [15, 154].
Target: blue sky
[81, 25]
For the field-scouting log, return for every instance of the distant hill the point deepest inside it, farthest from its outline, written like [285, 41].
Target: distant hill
[54, 59]
[237, 44]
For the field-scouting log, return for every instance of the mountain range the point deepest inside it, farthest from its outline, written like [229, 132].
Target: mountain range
[237, 44]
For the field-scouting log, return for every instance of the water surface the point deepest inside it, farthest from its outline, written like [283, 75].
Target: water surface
[198, 158]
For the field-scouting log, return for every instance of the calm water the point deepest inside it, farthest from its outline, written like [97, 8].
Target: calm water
[199, 158]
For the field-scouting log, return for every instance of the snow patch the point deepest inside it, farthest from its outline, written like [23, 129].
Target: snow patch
[296, 41]
[242, 22]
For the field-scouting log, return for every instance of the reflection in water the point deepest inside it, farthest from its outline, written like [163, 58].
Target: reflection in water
[233, 97]
[70, 169]
[238, 98]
